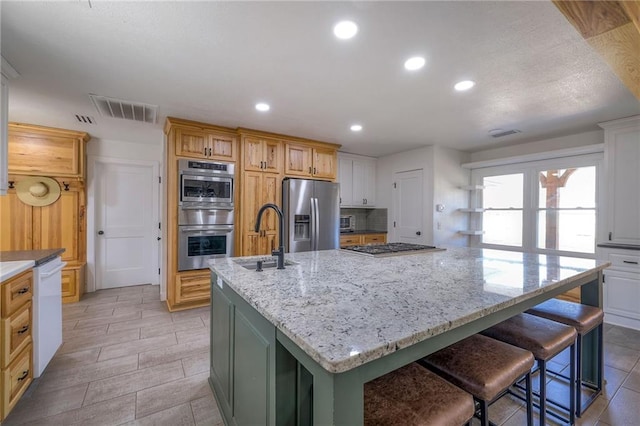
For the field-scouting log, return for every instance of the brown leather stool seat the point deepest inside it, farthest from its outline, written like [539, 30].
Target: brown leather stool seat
[544, 339]
[413, 395]
[584, 319]
[485, 368]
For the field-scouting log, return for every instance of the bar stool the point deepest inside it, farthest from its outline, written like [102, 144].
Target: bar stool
[413, 395]
[584, 319]
[544, 339]
[485, 368]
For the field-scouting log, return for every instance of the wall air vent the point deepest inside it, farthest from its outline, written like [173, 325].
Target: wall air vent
[85, 119]
[126, 110]
[499, 134]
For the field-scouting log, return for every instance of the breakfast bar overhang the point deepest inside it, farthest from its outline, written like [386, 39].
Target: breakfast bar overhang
[295, 346]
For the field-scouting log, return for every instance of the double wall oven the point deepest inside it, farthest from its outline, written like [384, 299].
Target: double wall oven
[205, 212]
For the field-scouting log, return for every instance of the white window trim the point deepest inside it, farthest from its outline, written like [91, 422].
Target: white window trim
[530, 171]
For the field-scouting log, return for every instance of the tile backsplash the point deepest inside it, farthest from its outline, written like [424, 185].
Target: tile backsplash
[368, 219]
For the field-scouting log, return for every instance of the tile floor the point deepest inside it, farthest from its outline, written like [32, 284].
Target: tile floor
[126, 360]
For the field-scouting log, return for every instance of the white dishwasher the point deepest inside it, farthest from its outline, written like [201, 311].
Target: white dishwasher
[47, 312]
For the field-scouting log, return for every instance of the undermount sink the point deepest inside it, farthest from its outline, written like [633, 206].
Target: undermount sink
[267, 263]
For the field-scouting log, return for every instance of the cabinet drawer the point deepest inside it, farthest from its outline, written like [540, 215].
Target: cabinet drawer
[16, 292]
[193, 287]
[374, 239]
[15, 379]
[626, 261]
[16, 334]
[351, 240]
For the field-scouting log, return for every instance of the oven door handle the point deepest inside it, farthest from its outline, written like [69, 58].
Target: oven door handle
[206, 229]
[207, 209]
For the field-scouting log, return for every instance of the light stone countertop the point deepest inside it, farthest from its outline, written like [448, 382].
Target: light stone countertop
[345, 309]
[13, 268]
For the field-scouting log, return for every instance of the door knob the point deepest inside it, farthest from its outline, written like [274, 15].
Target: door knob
[159, 238]
[100, 232]
[418, 233]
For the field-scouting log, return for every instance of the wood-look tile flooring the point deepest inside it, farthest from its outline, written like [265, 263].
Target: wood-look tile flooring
[126, 360]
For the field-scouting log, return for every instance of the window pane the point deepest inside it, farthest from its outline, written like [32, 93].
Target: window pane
[502, 227]
[568, 230]
[502, 191]
[567, 188]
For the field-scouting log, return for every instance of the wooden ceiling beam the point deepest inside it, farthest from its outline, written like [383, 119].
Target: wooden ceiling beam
[612, 28]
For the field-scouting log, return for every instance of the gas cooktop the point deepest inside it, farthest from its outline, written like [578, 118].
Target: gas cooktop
[391, 249]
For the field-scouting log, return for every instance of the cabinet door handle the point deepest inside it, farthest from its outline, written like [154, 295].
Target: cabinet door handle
[23, 329]
[630, 262]
[25, 373]
[314, 171]
[210, 152]
[204, 151]
[23, 290]
[309, 169]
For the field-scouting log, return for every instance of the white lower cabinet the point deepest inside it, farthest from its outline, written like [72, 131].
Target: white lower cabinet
[622, 287]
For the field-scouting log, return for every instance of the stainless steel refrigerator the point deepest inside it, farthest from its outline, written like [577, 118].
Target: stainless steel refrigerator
[311, 215]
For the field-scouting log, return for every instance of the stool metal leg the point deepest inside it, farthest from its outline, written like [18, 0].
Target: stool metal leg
[529, 400]
[579, 376]
[542, 365]
[484, 413]
[572, 384]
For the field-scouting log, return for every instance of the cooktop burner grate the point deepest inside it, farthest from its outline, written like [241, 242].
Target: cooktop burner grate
[390, 249]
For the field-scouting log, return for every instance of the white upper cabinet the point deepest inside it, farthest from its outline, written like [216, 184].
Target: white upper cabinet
[357, 177]
[622, 158]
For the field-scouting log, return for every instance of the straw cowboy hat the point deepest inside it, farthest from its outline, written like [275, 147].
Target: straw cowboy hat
[38, 190]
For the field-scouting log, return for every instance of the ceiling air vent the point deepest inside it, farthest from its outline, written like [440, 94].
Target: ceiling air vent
[499, 134]
[127, 110]
[85, 119]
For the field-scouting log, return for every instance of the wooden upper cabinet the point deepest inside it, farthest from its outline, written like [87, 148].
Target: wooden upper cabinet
[205, 144]
[310, 161]
[325, 163]
[298, 160]
[261, 155]
[36, 150]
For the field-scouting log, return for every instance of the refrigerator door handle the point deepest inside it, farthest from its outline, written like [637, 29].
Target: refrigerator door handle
[316, 224]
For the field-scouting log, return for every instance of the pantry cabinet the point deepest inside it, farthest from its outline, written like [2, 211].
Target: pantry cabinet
[357, 177]
[259, 189]
[60, 155]
[622, 156]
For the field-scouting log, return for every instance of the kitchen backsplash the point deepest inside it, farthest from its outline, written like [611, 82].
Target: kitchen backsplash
[368, 219]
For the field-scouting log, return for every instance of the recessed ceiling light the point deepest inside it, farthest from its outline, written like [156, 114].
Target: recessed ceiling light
[262, 107]
[464, 85]
[414, 63]
[345, 29]
[356, 127]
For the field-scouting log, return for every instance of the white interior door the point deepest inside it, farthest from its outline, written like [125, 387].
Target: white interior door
[126, 225]
[407, 207]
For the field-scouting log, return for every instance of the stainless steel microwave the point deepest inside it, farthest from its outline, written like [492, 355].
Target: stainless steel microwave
[347, 223]
[206, 184]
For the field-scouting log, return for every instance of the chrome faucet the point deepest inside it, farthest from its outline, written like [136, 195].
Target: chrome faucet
[280, 251]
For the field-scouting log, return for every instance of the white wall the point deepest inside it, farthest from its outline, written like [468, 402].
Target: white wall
[120, 150]
[564, 142]
[448, 177]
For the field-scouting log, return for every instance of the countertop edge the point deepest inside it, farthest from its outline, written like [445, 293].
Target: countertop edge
[38, 256]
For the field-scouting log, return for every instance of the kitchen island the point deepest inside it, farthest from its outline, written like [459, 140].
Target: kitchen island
[296, 345]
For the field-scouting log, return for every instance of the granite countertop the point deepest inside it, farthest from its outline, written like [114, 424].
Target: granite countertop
[620, 246]
[38, 256]
[363, 231]
[346, 309]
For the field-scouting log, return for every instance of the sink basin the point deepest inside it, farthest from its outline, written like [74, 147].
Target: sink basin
[267, 263]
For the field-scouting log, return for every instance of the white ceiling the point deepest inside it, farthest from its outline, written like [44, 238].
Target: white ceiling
[212, 61]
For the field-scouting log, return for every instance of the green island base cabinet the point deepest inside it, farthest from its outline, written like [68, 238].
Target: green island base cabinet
[255, 380]
[296, 346]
